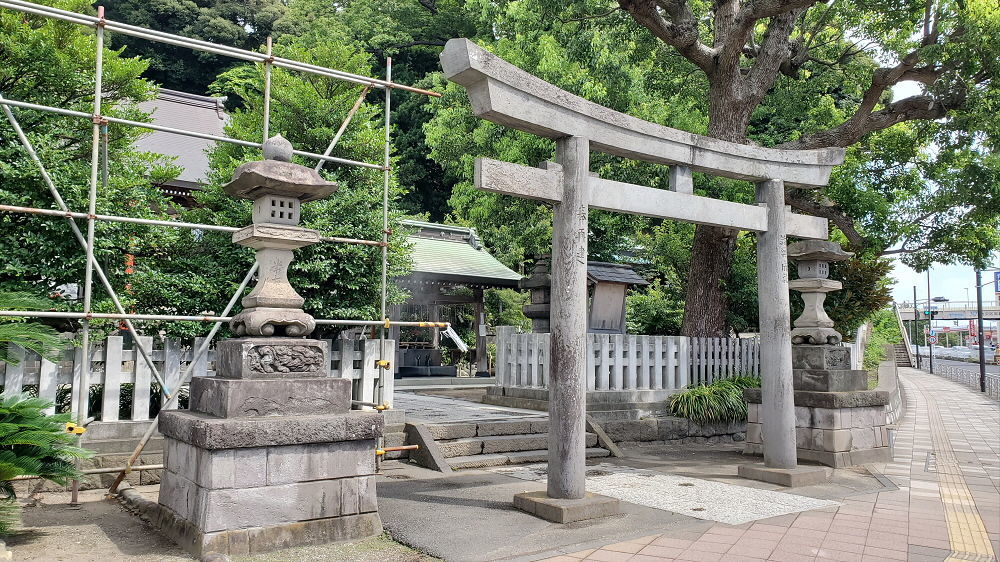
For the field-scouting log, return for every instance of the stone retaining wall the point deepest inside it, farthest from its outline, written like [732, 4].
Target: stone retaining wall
[670, 429]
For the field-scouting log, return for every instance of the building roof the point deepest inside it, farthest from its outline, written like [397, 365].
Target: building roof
[190, 112]
[613, 273]
[453, 254]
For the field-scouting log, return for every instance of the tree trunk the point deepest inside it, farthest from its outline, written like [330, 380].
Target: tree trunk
[705, 303]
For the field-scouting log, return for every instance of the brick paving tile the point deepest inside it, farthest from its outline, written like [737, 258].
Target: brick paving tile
[786, 556]
[753, 534]
[721, 539]
[671, 542]
[700, 556]
[769, 528]
[754, 552]
[562, 559]
[843, 546]
[644, 540]
[710, 546]
[582, 554]
[629, 547]
[838, 555]
[661, 552]
[737, 558]
[644, 558]
[885, 553]
[609, 556]
[725, 530]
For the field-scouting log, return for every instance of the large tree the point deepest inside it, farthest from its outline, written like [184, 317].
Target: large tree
[752, 49]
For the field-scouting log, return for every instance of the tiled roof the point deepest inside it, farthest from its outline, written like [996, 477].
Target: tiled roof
[453, 253]
[190, 112]
[613, 273]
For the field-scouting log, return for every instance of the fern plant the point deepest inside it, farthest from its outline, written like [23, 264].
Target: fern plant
[721, 401]
[32, 443]
[34, 336]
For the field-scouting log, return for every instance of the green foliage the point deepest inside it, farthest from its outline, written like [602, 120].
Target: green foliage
[654, 311]
[238, 23]
[51, 62]
[32, 444]
[721, 401]
[504, 308]
[31, 335]
[885, 331]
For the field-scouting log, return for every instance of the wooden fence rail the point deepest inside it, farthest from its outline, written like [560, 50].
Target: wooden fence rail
[627, 362]
[113, 364]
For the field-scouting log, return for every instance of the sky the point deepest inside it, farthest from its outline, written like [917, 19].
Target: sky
[949, 281]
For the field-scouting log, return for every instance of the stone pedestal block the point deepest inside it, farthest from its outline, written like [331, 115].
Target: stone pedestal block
[227, 398]
[833, 428]
[826, 357]
[272, 358]
[270, 481]
[829, 381]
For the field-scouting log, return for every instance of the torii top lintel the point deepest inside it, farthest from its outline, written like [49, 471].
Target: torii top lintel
[502, 93]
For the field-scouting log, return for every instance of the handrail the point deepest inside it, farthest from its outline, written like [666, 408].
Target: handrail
[905, 334]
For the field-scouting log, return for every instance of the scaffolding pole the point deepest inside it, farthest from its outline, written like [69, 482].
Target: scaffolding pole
[195, 134]
[171, 399]
[154, 222]
[199, 45]
[267, 94]
[386, 177]
[343, 127]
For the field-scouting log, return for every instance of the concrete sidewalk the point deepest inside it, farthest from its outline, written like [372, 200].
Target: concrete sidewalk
[943, 502]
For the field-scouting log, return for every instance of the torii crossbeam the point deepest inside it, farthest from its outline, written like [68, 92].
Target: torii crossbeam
[504, 94]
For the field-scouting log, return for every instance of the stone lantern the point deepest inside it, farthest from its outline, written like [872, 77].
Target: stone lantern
[813, 259]
[270, 454]
[838, 421]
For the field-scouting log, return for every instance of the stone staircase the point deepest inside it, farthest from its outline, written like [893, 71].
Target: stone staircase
[902, 358]
[493, 443]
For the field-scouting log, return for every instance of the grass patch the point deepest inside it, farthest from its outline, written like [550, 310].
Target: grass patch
[721, 401]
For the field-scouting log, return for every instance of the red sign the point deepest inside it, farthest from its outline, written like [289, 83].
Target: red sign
[946, 329]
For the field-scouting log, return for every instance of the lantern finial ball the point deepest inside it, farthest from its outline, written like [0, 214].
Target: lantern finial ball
[278, 148]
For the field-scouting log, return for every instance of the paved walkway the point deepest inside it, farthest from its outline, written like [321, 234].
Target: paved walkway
[946, 507]
[443, 409]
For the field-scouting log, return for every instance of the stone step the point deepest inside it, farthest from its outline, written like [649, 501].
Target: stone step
[499, 444]
[518, 457]
[488, 428]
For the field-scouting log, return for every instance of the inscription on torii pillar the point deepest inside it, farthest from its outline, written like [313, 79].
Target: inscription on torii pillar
[504, 94]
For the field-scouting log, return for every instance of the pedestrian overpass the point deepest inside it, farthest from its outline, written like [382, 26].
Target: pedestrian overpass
[951, 310]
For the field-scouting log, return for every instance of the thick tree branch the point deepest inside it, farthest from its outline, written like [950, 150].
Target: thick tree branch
[851, 131]
[680, 32]
[799, 201]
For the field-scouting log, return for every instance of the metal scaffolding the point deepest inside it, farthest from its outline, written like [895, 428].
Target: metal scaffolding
[86, 240]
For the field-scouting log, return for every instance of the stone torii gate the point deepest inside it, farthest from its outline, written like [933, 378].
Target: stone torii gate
[504, 94]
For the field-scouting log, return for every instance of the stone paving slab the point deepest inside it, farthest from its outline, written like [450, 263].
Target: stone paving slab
[440, 409]
[694, 497]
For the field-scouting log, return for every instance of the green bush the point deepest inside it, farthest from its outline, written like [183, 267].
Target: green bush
[32, 444]
[721, 401]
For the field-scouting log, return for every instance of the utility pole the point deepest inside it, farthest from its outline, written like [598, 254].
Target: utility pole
[979, 336]
[930, 322]
[916, 324]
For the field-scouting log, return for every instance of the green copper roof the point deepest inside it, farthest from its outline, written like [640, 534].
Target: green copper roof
[458, 261]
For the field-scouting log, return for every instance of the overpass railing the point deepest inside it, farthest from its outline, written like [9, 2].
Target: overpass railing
[971, 378]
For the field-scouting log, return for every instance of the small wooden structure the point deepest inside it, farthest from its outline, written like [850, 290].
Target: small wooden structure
[450, 268]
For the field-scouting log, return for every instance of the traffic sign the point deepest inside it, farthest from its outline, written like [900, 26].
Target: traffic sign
[932, 340]
[946, 329]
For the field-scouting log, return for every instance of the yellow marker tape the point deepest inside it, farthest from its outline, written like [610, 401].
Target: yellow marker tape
[383, 363]
[383, 406]
[379, 452]
[386, 323]
[75, 429]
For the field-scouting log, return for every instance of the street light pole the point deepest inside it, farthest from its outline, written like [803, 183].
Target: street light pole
[979, 336]
[916, 324]
[930, 322]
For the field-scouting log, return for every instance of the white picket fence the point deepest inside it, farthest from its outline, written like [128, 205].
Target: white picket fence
[112, 364]
[627, 362]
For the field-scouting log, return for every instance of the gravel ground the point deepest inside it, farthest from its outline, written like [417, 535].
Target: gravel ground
[101, 531]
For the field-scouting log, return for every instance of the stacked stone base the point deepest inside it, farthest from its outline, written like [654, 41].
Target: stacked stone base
[263, 462]
[258, 484]
[837, 422]
[837, 429]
